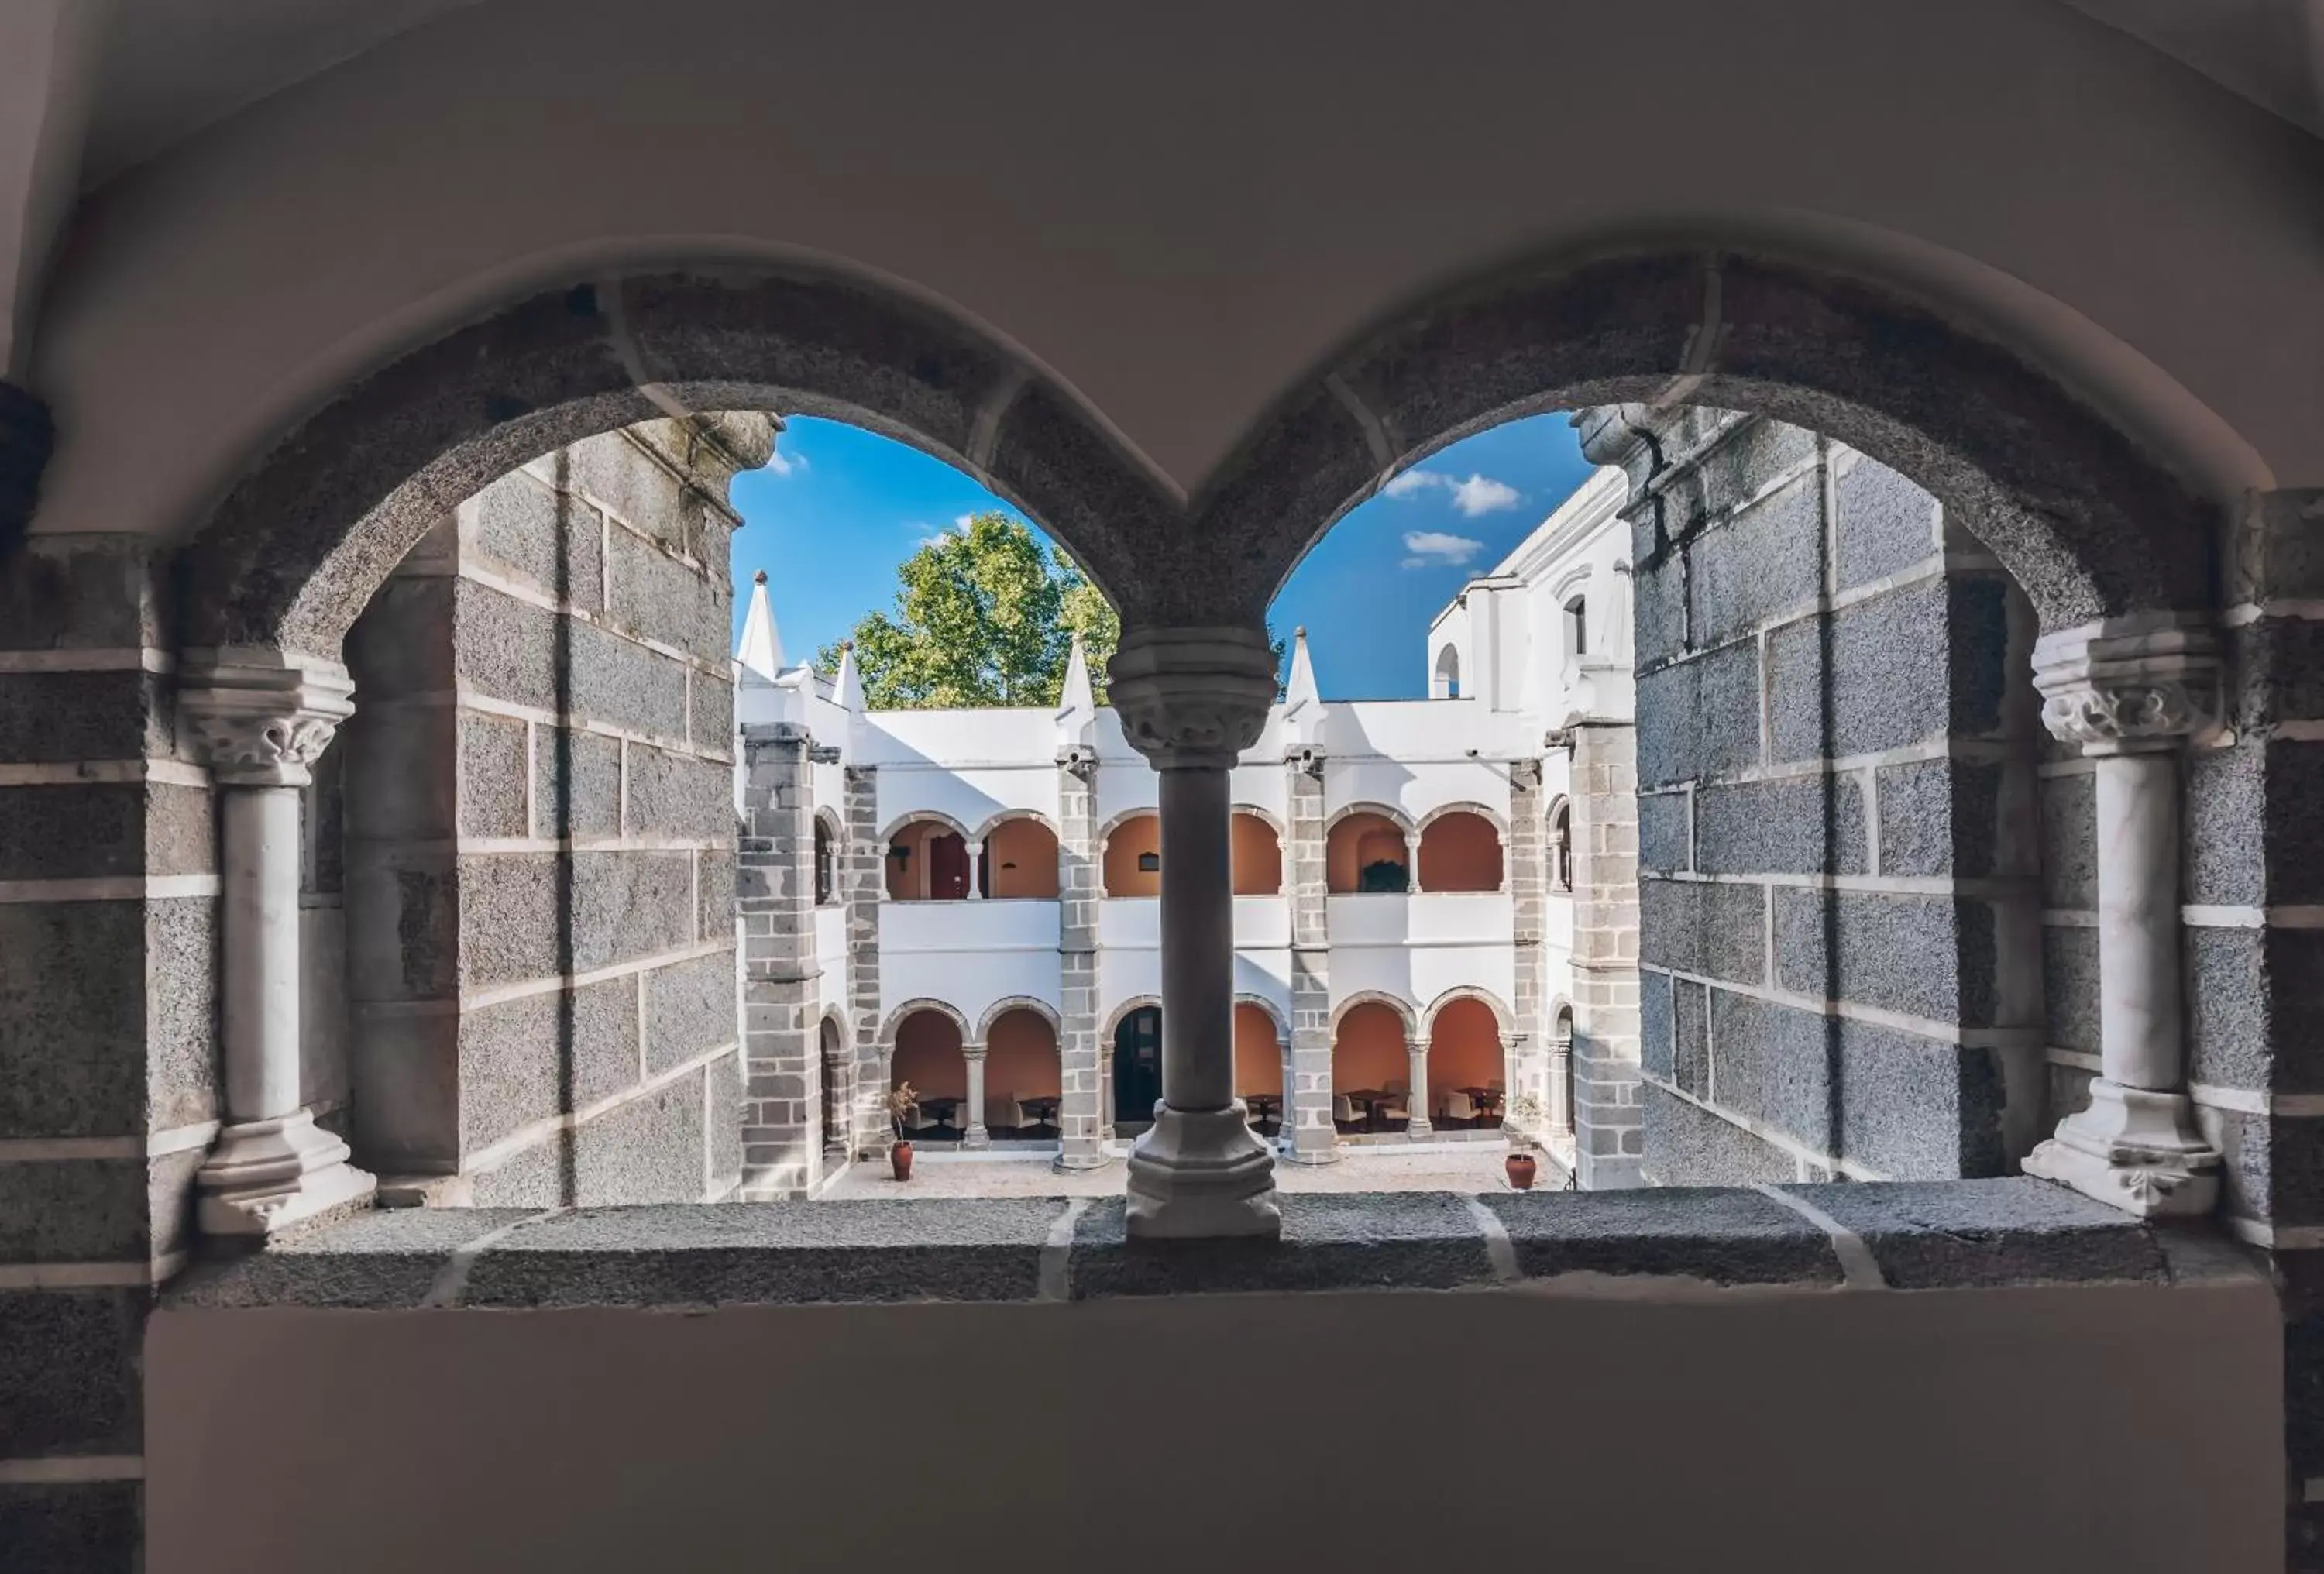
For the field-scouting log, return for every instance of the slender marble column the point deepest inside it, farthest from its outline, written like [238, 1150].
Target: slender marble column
[1416, 1050]
[972, 1131]
[2131, 691]
[259, 719]
[1191, 699]
[975, 870]
[1411, 862]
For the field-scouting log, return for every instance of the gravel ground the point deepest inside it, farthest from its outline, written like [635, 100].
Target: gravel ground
[1476, 1168]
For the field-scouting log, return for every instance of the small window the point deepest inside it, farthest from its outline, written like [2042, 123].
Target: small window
[1150, 863]
[1577, 627]
[823, 877]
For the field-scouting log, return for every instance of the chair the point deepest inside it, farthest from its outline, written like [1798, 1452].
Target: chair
[917, 1119]
[1004, 1111]
[1343, 1113]
[1397, 1107]
[1459, 1106]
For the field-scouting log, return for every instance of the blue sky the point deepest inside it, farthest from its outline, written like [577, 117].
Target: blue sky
[839, 508]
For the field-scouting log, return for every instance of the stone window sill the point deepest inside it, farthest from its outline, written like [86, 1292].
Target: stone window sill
[1898, 1236]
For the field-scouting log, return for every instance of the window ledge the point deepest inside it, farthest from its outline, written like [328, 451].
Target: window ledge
[1922, 1235]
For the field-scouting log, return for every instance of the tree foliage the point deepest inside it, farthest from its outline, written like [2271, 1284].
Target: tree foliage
[984, 615]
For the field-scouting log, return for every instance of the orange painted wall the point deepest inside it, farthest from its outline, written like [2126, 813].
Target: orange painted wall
[1124, 878]
[1259, 1057]
[927, 1055]
[1460, 853]
[1032, 847]
[1020, 1056]
[1258, 857]
[1367, 1051]
[1464, 1050]
[1355, 841]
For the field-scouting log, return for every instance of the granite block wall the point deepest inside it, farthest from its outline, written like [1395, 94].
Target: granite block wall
[109, 1089]
[1840, 932]
[538, 828]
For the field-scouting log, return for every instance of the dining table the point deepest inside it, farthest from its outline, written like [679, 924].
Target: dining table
[1042, 1108]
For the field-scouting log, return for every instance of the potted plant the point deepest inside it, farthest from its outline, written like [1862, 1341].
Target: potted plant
[901, 1099]
[1525, 1112]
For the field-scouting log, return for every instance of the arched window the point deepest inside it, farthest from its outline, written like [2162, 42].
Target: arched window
[1460, 851]
[1132, 862]
[1365, 852]
[1444, 683]
[1256, 856]
[928, 1058]
[1561, 846]
[1577, 626]
[1371, 1069]
[1561, 1049]
[825, 884]
[1020, 859]
[927, 862]
[1022, 1075]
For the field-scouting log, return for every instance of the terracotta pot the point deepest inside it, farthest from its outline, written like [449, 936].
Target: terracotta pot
[1522, 1168]
[900, 1158]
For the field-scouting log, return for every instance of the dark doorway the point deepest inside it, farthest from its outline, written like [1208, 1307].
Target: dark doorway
[948, 868]
[1137, 1069]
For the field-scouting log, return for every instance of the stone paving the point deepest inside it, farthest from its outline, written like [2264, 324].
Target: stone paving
[1473, 1167]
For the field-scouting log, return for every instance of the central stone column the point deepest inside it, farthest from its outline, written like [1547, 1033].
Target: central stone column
[1191, 700]
[259, 719]
[1416, 1102]
[972, 1131]
[2131, 691]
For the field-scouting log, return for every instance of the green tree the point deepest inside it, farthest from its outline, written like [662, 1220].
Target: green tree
[984, 616]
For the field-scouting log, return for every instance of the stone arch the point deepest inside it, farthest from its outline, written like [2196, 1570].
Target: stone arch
[1117, 878]
[1388, 811]
[1397, 1003]
[1114, 1020]
[1266, 816]
[2072, 506]
[1008, 1003]
[1116, 822]
[914, 816]
[1498, 821]
[1274, 1013]
[297, 546]
[895, 1019]
[1491, 1002]
[1558, 824]
[1003, 817]
[1444, 677]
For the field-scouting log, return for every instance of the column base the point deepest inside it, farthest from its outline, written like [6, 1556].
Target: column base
[265, 1176]
[1418, 1128]
[976, 1137]
[1198, 1172]
[2133, 1149]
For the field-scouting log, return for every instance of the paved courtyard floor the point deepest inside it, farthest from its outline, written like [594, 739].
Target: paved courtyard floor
[1469, 1167]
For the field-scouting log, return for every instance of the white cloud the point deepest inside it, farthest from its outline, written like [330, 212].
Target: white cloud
[961, 522]
[782, 464]
[1480, 495]
[1438, 550]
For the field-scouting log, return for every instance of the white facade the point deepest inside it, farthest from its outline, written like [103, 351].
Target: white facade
[1541, 639]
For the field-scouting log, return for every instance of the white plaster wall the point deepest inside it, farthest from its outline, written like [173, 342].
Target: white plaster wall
[1126, 975]
[969, 793]
[1262, 921]
[1418, 784]
[970, 979]
[1130, 923]
[1419, 973]
[614, 1440]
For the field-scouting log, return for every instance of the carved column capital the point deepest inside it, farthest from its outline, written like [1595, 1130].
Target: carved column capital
[259, 717]
[1192, 698]
[2135, 685]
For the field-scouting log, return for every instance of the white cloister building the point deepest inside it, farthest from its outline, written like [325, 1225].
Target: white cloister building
[967, 899]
